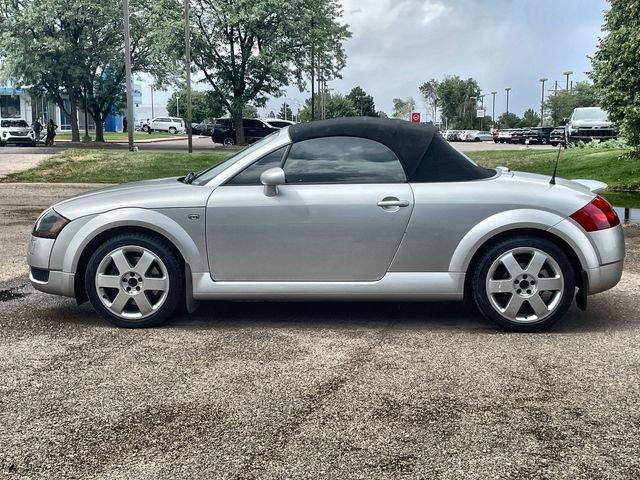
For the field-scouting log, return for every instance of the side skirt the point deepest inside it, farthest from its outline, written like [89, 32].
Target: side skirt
[437, 286]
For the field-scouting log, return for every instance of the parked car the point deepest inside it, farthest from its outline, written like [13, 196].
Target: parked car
[589, 123]
[204, 128]
[478, 136]
[452, 135]
[165, 124]
[16, 131]
[279, 123]
[538, 135]
[557, 136]
[254, 129]
[504, 135]
[348, 209]
[517, 135]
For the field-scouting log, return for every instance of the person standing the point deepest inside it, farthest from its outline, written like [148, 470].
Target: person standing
[36, 126]
[125, 125]
[51, 132]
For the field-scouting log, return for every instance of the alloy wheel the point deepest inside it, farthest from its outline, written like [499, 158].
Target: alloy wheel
[132, 282]
[525, 285]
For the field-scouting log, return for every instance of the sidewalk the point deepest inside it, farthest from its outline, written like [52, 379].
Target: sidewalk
[18, 162]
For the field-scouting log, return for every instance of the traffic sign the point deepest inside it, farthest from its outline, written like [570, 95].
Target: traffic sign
[415, 117]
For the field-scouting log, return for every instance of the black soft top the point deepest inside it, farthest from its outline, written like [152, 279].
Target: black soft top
[424, 154]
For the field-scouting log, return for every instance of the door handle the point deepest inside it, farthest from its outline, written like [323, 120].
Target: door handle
[393, 203]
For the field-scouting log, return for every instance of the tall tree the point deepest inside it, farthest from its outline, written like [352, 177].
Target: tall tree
[402, 108]
[458, 100]
[431, 96]
[285, 112]
[530, 119]
[248, 50]
[561, 104]
[204, 105]
[335, 106]
[509, 120]
[362, 102]
[616, 68]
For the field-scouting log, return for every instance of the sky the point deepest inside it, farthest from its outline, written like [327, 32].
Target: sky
[399, 44]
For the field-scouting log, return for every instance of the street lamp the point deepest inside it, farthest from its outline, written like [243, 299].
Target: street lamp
[508, 89]
[566, 74]
[187, 54]
[493, 111]
[542, 80]
[127, 69]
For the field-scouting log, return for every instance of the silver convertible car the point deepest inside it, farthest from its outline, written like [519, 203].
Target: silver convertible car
[347, 209]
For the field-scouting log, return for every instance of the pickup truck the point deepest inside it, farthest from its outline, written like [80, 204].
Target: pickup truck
[589, 123]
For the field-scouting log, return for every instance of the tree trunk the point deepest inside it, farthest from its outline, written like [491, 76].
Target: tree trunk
[97, 119]
[239, 125]
[73, 120]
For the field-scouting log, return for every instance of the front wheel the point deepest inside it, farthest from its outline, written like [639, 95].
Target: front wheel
[523, 284]
[173, 130]
[228, 142]
[135, 280]
[544, 141]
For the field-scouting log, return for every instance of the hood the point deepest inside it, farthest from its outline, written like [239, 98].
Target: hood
[152, 194]
[591, 123]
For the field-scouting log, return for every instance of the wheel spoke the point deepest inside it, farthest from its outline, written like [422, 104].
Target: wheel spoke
[513, 307]
[122, 264]
[159, 284]
[144, 263]
[143, 303]
[119, 302]
[536, 263]
[538, 305]
[547, 284]
[512, 265]
[108, 281]
[500, 286]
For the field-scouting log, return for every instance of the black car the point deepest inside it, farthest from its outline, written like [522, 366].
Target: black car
[557, 136]
[254, 129]
[517, 135]
[204, 128]
[539, 135]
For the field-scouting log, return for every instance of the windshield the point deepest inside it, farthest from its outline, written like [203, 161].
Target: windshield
[15, 123]
[212, 172]
[593, 114]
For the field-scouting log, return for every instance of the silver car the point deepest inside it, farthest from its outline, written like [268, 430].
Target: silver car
[346, 209]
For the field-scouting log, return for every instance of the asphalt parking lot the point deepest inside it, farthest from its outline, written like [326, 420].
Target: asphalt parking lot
[311, 390]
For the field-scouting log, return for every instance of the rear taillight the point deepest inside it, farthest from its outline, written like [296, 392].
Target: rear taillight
[596, 215]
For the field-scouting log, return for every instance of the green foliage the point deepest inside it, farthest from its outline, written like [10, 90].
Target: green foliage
[250, 111]
[204, 105]
[612, 144]
[616, 67]
[402, 108]
[509, 120]
[285, 112]
[529, 119]
[335, 106]
[458, 100]
[560, 105]
[430, 93]
[362, 102]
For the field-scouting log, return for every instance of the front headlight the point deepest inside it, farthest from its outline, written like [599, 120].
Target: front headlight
[49, 224]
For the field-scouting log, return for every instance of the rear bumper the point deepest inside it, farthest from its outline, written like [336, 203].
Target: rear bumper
[609, 246]
[604, 277]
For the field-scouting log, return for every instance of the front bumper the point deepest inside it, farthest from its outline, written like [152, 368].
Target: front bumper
[40, 276]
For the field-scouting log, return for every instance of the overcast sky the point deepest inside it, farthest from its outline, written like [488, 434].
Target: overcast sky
[398, 44]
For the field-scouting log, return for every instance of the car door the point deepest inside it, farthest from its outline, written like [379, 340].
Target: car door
[251, 127]
[340, 216]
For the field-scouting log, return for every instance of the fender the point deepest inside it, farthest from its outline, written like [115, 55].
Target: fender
[522, 218]
[72, 241]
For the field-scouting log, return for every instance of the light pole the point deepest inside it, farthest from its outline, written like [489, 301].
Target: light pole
[567, 74]
[493, 111]
[542, 80]
[127, 69]
[187, 52]
[152, 114]
[508, 89]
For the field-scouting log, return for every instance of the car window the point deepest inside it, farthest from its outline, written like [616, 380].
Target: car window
[342, 160]
[251, 174]
[14, 123]
[250, 123]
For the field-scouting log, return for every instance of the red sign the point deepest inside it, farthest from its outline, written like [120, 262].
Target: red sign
[415, 117]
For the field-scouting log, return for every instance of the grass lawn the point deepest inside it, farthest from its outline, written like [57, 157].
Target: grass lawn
[613, 167]
[118, 136]
[116, 166]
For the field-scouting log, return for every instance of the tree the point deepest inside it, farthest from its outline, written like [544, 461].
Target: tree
[560, 105]
[271, 114]
[430, 93]
[616, 67]
[530, 119]
[509, 120]
[285, 112]
[248, 50]
[402, 108]
[335, 106]
[204, 105]
[362, 102]
[458, 101]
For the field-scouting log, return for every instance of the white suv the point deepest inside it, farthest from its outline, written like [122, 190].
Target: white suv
[165, 124]
[16, 131]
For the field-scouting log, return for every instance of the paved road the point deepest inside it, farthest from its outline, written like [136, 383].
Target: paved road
[311, 390]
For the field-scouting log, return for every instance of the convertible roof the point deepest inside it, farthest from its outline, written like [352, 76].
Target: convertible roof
[424, 154]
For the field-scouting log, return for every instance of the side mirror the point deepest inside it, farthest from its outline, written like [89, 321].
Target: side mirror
[271, 179]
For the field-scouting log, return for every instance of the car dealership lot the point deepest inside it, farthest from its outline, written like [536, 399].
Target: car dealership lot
[308, 390]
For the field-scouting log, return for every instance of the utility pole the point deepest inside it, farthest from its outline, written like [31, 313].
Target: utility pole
[567, 74]
[542, 80]
[187, 52]
[152, 114]
[508, 89]
[493, 111]
[313, 72]
[177, 104]
[127, 69]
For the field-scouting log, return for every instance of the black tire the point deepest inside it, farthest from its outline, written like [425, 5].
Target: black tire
[173, 130]
[145, 128]
[544, 141]
[487, 258]
[228, 142]
[175, 273]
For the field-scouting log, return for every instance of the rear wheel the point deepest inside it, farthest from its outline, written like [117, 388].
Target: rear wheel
[524, 284]
[173, 130]
[228, 142]
[135, 280]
